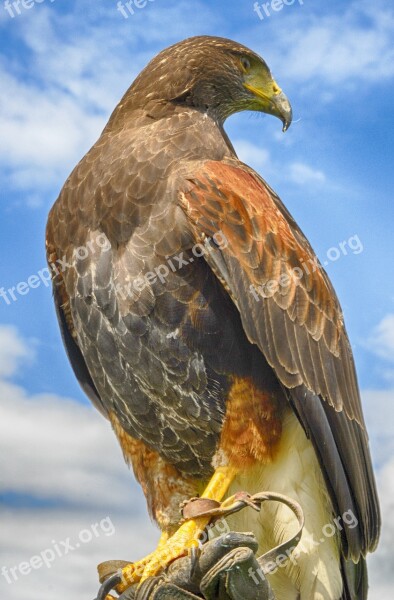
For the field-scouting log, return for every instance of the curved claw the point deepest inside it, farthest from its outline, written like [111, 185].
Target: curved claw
[108, 585]
[194, 556]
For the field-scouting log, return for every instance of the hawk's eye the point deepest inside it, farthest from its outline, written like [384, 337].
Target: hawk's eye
[245, 63]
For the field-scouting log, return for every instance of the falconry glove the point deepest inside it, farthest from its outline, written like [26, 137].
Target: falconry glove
[226, 569]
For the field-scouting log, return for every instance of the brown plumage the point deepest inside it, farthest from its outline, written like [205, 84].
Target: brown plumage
[195, 313]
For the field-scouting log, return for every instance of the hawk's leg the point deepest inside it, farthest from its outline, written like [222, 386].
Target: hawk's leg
[109, 567]
[185, 538]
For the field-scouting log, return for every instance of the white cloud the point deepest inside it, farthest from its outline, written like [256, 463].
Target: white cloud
[53, 115]
[251, 154]
[382, 338]
[74, 70]
[352, 46]
[381, 343]
[29, 533]
[43, 133]
[260, 159]
[71, 452]
[13, 350]
[379, 414]
[62, 461]
[303, 174]
[58, 98]
[381, 563]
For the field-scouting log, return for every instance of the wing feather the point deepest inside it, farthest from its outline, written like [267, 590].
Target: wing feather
[290, 311]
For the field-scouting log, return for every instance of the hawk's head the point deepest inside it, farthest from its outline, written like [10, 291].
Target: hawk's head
[213, 74]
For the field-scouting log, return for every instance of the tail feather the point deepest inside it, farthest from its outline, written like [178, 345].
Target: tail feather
[355, 579]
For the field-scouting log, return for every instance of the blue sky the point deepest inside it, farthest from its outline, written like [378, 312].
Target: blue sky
[63, 67]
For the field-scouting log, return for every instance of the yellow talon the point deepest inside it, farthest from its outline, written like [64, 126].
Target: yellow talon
[170, 548]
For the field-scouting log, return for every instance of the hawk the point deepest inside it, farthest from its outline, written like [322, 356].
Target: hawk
[199, 321]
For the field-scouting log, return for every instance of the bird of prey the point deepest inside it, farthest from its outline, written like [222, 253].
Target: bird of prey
[199, 321]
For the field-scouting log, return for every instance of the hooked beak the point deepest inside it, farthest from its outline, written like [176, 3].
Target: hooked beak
[271, 100]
